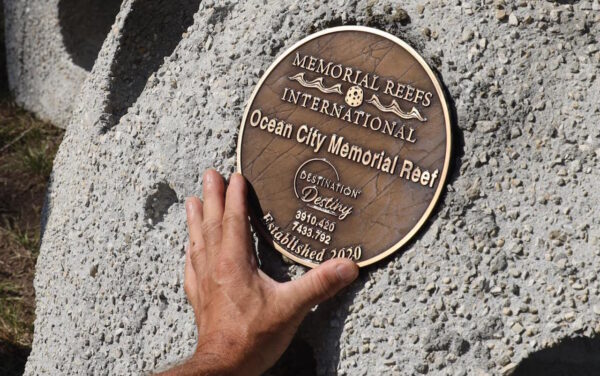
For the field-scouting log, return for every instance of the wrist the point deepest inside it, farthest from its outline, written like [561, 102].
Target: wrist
[210, 364]
[218, 356]
[202, 364]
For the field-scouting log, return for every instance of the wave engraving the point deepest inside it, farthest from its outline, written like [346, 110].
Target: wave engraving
[394, 107]
[317, 84]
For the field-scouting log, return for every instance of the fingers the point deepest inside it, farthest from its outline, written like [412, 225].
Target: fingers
[195, 218]
[190, 281]
[214, 203]
[236, 226]
[318, 284]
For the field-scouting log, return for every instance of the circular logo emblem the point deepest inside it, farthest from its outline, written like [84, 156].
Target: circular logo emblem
[346, 144]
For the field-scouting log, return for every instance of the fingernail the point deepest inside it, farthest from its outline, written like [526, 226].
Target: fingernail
[235, 176]
[347, 272]
[208, 177]
[189, 207]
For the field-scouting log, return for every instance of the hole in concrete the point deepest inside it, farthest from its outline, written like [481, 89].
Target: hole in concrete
[158, 203]
[297, 360]
[84, 25]
[151, 32]
[572, 356]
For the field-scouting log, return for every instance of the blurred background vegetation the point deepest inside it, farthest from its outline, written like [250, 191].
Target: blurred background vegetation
[27, 149]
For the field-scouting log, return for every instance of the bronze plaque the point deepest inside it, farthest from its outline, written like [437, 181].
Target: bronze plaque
[346, 143]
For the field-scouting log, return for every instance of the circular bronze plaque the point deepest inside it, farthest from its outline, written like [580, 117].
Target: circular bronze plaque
[346, 144]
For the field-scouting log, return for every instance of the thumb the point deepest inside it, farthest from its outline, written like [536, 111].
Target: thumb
[319, 284]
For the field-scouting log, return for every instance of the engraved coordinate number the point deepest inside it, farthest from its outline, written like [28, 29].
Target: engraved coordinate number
[352, 253]
[308, 231]
[311, 219]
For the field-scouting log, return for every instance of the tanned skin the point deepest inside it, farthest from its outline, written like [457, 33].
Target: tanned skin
[245, 319]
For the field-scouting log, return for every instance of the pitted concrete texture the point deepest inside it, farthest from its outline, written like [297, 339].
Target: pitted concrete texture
[51, 46]
[506, 267]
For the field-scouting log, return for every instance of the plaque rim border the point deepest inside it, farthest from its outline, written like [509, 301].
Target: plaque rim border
[440, 92]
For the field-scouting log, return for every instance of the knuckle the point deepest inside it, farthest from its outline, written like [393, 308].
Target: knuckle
[187, 287]
[210, 226]
[226, 266]
[196, 250]
[320, 286]
[231, 219]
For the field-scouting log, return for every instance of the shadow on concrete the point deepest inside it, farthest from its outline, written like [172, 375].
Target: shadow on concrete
[12, 359]
[319, 334]
[84, 25]
[578, 356]
[298, 360]
[151, 32]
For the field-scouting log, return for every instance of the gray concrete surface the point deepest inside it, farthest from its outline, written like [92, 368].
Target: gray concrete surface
[506, 267]
[51, 47]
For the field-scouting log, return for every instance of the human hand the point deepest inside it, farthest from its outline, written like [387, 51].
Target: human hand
[245, 319]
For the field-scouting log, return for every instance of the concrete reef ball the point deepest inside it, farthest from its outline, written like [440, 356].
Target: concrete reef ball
[505, 268]
[51, 48]
[354, 96]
